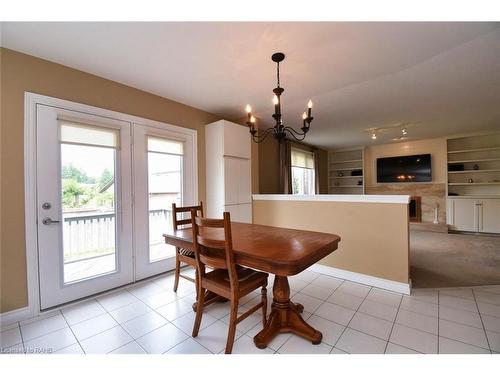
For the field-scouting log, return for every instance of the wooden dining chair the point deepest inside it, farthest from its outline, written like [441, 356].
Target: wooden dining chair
[214, 249]
[182, 255]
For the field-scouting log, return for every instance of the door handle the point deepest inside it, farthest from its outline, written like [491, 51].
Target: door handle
[48, 221]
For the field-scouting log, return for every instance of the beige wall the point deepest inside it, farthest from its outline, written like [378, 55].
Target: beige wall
[435, 146]
[374, 236]
[22, 73]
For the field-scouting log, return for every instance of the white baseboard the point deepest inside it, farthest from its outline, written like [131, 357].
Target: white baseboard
[11, 317]
[378, 282]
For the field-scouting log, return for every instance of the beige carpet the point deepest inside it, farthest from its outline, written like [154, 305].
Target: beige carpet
[448, 260]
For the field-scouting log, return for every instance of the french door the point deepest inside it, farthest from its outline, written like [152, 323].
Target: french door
[104, 193]
[161, 177]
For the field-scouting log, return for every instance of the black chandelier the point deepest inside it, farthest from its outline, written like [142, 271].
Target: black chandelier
[279, 130]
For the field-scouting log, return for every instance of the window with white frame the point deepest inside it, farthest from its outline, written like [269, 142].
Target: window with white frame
[302, 172]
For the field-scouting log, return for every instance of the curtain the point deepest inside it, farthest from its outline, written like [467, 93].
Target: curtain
[316, 170]
[285, 167]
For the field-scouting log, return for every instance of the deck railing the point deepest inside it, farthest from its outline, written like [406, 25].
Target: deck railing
[94, 234]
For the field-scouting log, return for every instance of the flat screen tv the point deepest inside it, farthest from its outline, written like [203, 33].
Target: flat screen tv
[413, 168]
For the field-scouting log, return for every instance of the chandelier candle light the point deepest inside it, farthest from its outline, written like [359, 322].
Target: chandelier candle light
[279, 130]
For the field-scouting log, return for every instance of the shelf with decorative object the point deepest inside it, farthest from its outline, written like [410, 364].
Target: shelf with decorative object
[345, 169]
[338, 177]
[474, 171]
[474, 150]
[473, 183]
[472, 160]
[347, 161]
[474, 165]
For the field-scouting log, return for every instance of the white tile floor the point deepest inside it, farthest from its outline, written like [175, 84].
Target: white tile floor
[354, 318]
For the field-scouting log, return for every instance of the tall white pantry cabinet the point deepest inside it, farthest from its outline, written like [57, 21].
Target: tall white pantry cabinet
[228, 171]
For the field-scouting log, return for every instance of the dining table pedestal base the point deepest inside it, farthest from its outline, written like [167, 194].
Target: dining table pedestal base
[285, 317]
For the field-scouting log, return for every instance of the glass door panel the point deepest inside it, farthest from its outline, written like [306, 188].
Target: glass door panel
[88, 211]
[164, 188]
[161, 160]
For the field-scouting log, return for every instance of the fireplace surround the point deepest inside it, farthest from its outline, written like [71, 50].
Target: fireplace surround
[415, 209]
[431, 195]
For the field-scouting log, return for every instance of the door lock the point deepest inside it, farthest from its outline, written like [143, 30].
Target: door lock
[48, 221]
[46, 206]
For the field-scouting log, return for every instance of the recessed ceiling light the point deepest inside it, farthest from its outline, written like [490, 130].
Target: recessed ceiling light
[404, 131]
[374, 136]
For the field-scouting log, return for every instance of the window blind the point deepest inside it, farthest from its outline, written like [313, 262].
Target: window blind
[302, 159]
[83, 134]
[165, 146]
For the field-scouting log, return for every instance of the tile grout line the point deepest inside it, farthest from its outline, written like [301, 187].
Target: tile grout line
[439, 335]
[179, 343]
[366, 313]
[118, 324]
[71, 329]
[147, 333]
[482, 323]
[373, 316]
[189, 336]
[22, 338]
[440, 318]
[393, 323]
[121, 326]
[466, 325]
[45, 334]
[357, 309]
[459, 308]
[316, 309]
[349, 322]
[194, 338]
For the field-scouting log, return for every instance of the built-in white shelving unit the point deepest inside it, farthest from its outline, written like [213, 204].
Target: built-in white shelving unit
[473, 202]
[478, 160]
[345, 172]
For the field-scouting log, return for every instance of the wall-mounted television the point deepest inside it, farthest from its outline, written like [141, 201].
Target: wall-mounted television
[413, 168]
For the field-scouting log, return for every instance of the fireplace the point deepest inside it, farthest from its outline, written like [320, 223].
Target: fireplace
[415, 209]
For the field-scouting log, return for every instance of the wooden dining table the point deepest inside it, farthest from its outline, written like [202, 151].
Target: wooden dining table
[282, 252]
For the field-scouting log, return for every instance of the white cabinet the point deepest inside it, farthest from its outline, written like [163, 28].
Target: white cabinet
[474, 214]
[490, 216]
[236, 140]
[237, 180]
[462, 215]
[228, 171]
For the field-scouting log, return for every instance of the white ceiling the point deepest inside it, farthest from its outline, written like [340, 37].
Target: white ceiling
[443, 76]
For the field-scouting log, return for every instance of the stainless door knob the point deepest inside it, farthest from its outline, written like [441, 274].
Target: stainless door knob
[48, 221]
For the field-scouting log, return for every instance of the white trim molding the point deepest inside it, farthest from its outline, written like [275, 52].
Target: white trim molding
[10, 317]
[400, 199]
[378, 282]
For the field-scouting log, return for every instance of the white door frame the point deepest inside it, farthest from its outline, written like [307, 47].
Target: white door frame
[31, 100]
[53, 289]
